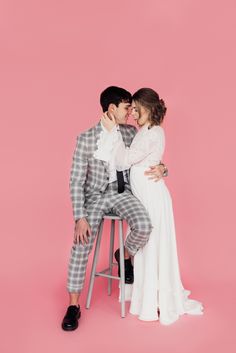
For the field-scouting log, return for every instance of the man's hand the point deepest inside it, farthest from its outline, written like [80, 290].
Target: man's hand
[82, 231]
[155, 172]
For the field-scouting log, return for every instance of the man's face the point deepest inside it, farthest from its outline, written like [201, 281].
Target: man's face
[122, 112]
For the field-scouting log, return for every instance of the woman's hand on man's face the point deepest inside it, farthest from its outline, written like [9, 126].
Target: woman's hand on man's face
[108, 122]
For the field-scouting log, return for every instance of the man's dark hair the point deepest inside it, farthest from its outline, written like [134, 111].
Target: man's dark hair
[114, 95]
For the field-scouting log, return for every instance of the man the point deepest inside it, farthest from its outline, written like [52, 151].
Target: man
[96, 188]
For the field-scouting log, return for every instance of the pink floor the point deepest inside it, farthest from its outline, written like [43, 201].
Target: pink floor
[30, 322]
[34, 300]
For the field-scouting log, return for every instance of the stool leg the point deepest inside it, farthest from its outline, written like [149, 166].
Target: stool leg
[95, 260]
[112, 236]
[122, 269]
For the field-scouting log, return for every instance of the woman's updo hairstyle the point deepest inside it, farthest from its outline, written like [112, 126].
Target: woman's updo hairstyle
[150, 100]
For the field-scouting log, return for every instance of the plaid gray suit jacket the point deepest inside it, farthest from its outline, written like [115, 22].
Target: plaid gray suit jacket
[90, 176]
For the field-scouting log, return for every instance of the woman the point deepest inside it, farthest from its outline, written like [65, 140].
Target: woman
[157, 284]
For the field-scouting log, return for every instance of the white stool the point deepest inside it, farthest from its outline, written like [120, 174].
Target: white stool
[108, 271]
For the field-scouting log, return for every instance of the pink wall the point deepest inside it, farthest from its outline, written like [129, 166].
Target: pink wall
[56, 57]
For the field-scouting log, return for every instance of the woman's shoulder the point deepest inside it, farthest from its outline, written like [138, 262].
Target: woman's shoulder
[158, 128]
[157, 131]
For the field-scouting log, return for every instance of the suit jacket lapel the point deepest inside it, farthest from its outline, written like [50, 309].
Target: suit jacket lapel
[124, 135]
[98, 130]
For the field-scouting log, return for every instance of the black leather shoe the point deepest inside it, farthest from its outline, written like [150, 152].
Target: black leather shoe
[129, 271]
[71, 319]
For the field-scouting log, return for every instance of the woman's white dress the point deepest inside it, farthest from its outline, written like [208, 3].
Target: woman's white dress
[157, 283]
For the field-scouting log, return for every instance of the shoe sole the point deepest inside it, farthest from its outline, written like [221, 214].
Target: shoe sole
[69, 329]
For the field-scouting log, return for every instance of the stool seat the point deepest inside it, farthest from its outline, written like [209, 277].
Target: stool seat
[111, 216]
[107, 273]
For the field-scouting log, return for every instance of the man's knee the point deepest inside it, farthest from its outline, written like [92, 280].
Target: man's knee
[80, 250]
[143, 225]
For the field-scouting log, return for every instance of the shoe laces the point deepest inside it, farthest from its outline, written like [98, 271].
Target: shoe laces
[72, 309]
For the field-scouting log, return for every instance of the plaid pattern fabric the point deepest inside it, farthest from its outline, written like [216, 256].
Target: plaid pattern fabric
[90, 176]
[124, 205]
[92, 196]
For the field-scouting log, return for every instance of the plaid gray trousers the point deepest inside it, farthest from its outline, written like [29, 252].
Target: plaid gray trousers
[124, 205]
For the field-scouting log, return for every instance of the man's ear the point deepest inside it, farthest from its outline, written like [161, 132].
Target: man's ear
[112, 108]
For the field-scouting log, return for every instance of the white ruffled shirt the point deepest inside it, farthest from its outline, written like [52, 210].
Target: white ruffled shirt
[107, 144]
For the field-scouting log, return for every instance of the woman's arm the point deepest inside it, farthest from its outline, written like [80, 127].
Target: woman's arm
[126, 157]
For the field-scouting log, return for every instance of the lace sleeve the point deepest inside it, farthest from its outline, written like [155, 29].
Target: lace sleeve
[106, 144]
